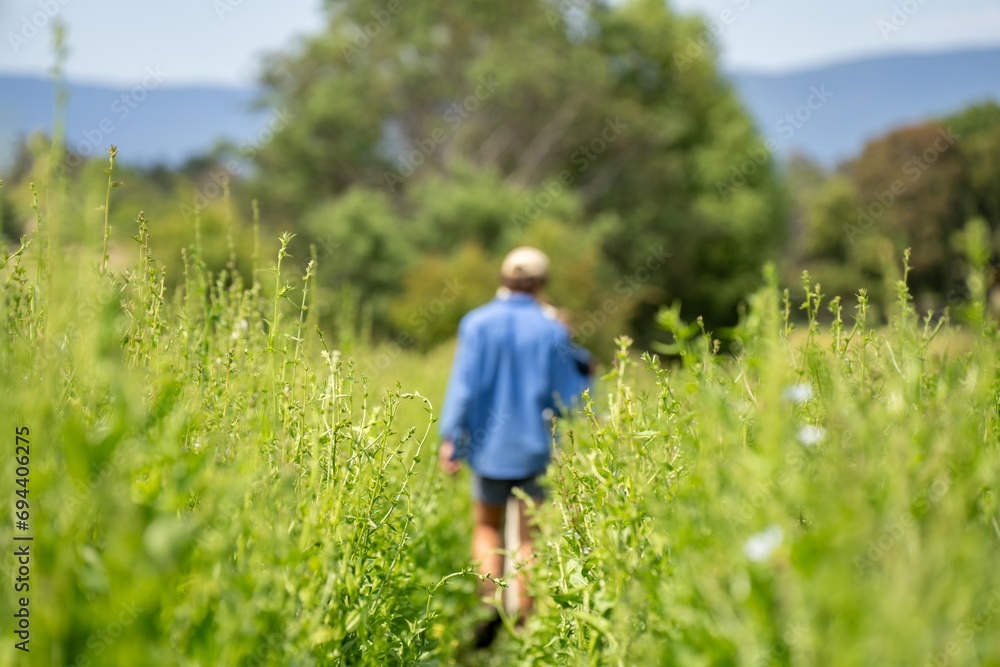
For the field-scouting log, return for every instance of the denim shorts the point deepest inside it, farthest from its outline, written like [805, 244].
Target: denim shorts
[496, 491]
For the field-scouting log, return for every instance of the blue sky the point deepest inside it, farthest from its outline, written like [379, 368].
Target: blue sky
[221, 41]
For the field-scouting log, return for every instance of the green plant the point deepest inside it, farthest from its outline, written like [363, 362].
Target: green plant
[214, 481]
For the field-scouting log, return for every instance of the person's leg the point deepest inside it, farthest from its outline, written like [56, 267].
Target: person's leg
[487, 543]
[525, 556]
[526, 550]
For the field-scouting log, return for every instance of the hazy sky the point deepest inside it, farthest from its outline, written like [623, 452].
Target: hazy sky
[220, 41]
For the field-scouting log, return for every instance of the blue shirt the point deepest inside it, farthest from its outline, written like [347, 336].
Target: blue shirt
[515, 368]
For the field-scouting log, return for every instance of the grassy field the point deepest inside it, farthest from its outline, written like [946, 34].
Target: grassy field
[208, 480]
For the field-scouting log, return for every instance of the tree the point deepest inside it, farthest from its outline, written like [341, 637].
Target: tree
[523, 106]
[911, 185]
[918, 187]
[361, 245]
[978, 132]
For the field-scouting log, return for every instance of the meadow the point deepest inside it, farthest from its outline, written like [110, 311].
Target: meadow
[213, 480]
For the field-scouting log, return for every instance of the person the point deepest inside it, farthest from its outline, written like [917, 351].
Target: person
[515, 369]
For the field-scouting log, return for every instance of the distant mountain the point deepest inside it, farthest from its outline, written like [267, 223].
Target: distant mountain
[148, 123]
[865, 98]
[852, 102]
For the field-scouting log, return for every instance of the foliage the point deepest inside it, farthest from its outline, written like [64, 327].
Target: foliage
[479, 121]
[201, 199]
[470, 205]
[438, 290]
[915, 187]
[362, 243]
[213, 482]
[979, 130]
[228, 491]
[921, 209]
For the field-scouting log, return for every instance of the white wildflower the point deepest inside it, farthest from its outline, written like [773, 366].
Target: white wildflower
[810, 436]
[759, 547]
[798, 393]
[239, 328]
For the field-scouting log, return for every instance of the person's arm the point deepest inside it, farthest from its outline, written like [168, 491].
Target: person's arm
[569, 377]
[458, 400]
[586, 363]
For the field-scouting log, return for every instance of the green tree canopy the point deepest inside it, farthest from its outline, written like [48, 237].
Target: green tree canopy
[476, 121]
[917, 187]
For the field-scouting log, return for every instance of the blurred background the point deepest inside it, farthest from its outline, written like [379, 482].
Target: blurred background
[660, 152]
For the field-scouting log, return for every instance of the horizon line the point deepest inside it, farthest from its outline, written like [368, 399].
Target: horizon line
[743, 70]
[905, 52]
